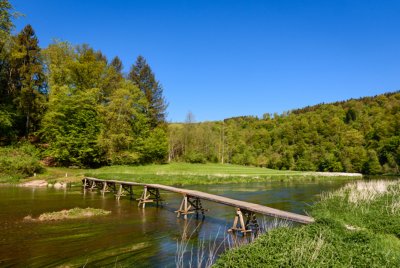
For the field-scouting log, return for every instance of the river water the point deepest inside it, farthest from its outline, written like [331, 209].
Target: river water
[130, 236]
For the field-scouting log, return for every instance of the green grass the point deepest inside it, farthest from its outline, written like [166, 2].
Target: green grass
[356, 226]
[180, 174]
[74, 213]
[186, 174]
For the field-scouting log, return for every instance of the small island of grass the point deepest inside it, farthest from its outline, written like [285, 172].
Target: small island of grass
[74, 213]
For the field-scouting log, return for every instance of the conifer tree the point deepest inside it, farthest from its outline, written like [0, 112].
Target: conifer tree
[116, 63]
[27, 82]
[144, 78]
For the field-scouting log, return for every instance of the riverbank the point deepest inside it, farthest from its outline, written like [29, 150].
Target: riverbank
[356, 226]
[186, 174]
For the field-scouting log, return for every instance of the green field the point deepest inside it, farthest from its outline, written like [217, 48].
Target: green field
[184, 174]
[178, 174]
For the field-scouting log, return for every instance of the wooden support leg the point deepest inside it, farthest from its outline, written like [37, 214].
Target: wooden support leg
[120, 192]
[93, 185]
[178, 212]
[239, 219]
[85, 184]
[184, 209]
[105, 188]
[144, 198]
[190, 205]
[149, 195]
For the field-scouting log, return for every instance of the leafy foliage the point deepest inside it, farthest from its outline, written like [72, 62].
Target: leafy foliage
[95, 116]
[19, 162]
[353, 136]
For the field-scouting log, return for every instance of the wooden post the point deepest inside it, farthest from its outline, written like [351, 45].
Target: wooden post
[149, 195]
[120, 192]
[93, 185]
[190, 206]
[105, 188]
[184, 209]
[85, 183]
[239, 219]
[144, 198]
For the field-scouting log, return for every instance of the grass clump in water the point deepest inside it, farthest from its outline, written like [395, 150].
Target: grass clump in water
[75, 213]
[356, 226]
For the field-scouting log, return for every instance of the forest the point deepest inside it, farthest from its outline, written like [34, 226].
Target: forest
[358, 135]
[78, 108]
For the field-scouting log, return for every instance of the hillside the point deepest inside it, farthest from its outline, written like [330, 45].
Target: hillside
[357, 135]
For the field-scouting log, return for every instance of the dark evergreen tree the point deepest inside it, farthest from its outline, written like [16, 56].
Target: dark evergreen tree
[27, 82]
[116, 63]
[144, 78]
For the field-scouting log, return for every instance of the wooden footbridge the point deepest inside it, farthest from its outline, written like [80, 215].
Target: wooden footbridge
[245, 219]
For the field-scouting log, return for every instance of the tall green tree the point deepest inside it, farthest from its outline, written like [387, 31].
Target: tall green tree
[7, 108]
[144, 78]
[27, 80]
[72, 123]
[124, 125]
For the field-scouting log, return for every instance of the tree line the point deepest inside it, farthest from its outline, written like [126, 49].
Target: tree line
[358, 135]
[77, 105]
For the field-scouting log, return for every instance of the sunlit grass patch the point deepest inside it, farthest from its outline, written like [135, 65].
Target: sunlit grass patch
[360, 192]
[75, 213]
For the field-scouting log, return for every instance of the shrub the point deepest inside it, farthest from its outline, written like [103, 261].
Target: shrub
[19, 162]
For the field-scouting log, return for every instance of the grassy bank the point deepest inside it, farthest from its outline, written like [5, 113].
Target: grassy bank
[182, 174]
[357, 226]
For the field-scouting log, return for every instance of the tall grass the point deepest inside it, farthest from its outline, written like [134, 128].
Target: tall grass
[204, 252]
[356, 226]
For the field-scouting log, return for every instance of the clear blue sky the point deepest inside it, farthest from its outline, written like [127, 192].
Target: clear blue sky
[220, 59]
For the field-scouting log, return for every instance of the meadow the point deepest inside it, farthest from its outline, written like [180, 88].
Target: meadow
[182, 174]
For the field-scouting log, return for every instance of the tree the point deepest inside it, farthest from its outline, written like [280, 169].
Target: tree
[372, 166]
[124, 125]
[142, 76]
[7, 107]
[116, 63]
[77, 85]
[27, 81]
[71, 127]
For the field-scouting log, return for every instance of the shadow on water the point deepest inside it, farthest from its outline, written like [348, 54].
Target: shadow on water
[130, 235]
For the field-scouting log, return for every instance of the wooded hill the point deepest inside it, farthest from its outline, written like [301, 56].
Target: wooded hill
[358, 135]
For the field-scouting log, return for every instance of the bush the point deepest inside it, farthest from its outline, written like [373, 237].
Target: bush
[19, 162]
[195, 158]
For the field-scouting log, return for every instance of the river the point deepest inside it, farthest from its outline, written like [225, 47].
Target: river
[130, 236]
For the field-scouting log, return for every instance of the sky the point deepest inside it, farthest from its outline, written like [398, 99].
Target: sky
[219, 59]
